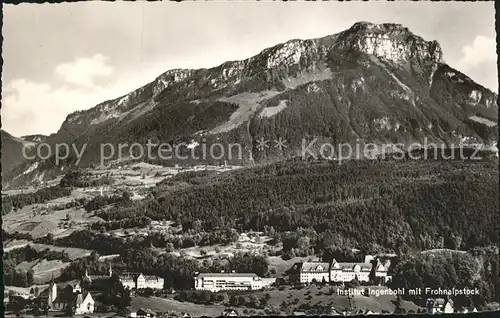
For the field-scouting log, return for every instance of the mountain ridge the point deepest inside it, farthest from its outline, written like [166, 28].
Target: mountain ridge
[374, 82]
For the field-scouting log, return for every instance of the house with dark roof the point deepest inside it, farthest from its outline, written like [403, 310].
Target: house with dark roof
[440, 305]
[95, 279]
[145, 313]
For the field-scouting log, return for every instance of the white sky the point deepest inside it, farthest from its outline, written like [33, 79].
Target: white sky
[59, 58]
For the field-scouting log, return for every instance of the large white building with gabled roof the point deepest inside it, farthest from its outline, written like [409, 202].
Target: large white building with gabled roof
[341, 272]
[312, 271]
[346, 272]
[141, 281]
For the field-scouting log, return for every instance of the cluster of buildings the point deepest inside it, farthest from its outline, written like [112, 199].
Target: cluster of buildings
[129, 280]
[440, 305]
[342, 272]
[215, 282]
[70, 299]
[73, 298]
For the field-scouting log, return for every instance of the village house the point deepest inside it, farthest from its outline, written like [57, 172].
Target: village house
[141, 281]
[215, 282]
[130, 313]
[440, 305]
[149, 281]
[145, 313]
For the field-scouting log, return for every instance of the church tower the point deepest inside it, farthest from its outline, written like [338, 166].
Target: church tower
[52, 293]
[87, 277]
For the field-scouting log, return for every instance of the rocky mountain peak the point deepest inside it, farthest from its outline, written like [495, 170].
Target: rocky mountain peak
[390, 41]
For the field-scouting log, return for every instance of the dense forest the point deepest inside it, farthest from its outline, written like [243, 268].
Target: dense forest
[396, 204]
[80, 179]
[106, 244]
[447, 269]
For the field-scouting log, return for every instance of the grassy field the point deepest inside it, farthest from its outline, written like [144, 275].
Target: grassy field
[281, 266]
[72, 252]
[293, 299]
[314, 295]
[43, 270]
[39, 219]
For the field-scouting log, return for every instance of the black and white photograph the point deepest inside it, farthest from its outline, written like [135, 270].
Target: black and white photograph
[250, 158]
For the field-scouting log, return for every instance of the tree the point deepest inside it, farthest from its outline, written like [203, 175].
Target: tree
[148, 292]
[233, 301]
[241, 301]
[399, 305]
[355, 281]
[254, 301]
[70, 310]
[249, 263]
[170, 247]
[126, 195]
[115, 294]
[284, 305]
[29, 276]
[323, 281]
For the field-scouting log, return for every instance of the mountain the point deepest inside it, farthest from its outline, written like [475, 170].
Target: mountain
[12, 148]
[372, 83]
[34, 138]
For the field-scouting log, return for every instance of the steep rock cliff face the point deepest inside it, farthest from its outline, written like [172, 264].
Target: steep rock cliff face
[375, 83]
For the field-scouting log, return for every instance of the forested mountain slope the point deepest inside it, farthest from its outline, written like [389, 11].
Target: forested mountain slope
[397, 205]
